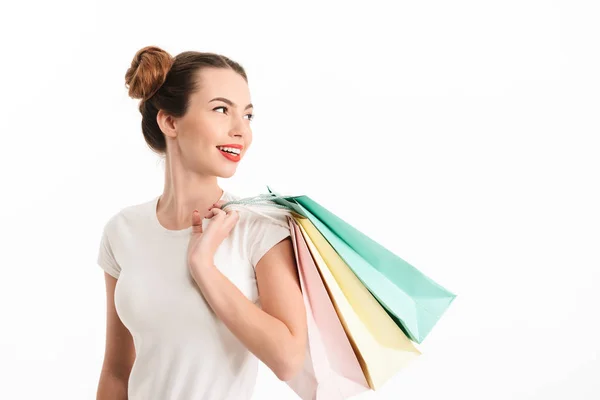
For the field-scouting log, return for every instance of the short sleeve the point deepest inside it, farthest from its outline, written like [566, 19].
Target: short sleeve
[264, 234]
[106, 258]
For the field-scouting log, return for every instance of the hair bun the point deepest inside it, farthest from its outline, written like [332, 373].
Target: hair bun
[147, 72]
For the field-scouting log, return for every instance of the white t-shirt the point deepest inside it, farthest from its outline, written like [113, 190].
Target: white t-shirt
[183, 350]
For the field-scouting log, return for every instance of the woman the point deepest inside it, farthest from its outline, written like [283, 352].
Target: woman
[183, 314]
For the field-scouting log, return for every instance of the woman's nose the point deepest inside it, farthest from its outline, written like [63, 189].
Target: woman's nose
[241, 129]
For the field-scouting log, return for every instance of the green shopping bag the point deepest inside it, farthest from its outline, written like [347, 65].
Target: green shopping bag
[413, 300]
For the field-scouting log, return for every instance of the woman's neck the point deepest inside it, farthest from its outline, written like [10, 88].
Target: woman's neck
[185, 191]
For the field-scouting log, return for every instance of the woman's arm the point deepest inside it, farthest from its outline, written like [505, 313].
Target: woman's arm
[119, 353]
[276, 334]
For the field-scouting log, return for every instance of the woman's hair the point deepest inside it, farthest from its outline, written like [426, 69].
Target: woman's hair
[166, 83]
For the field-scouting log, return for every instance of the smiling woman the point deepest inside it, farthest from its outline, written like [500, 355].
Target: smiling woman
[203, 337]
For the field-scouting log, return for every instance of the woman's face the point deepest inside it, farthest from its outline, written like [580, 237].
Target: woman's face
[214, 135]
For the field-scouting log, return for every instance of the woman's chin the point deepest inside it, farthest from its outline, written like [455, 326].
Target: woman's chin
[225, 168]
[227, 172]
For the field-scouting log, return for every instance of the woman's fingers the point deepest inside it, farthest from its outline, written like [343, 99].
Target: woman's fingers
[213, 212]
[219, 203]
[232, 217]
[196, 222]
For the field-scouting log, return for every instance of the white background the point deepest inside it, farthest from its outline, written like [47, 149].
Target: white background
[462, 135]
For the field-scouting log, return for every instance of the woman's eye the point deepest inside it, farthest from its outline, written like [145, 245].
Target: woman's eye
[251, 116]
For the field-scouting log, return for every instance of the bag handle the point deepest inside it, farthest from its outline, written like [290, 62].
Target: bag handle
[265, 202]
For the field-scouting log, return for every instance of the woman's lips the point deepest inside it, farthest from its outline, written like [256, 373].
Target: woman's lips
[230, 156]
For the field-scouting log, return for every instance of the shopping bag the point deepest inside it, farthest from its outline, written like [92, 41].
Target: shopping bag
[413, 300]
[331, 369]
[380, 345]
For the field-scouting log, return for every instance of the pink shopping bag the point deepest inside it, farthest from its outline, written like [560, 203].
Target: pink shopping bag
[331, 369]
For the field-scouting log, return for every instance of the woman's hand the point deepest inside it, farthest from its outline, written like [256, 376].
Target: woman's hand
[203, 245]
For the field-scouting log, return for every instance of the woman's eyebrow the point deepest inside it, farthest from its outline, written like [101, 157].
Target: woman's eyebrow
[224, 100]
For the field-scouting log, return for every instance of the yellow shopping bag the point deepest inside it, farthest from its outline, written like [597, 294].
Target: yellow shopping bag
[380, 345]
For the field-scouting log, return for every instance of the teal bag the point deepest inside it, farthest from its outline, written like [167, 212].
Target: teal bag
[414, 301]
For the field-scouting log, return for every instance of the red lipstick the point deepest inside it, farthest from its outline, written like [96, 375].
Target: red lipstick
[229, 151]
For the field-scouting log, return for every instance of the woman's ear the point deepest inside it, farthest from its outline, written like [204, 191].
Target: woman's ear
[166, 124]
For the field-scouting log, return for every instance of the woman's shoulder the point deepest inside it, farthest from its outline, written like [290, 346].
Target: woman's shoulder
[258, 217]
[230, 196]
[129, 214]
